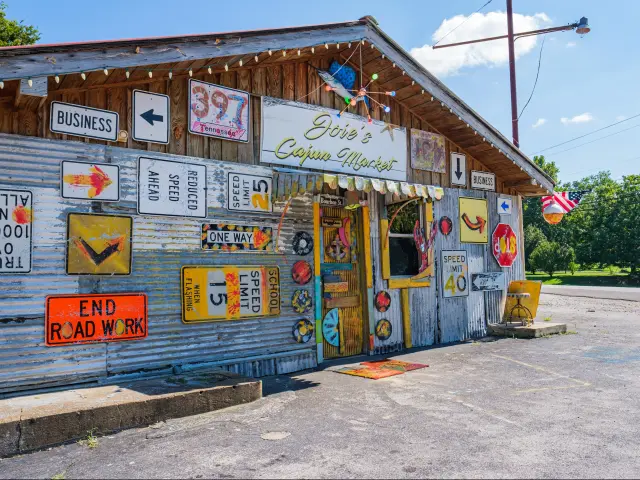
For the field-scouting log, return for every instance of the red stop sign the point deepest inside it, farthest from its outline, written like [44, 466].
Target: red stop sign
[505, 245]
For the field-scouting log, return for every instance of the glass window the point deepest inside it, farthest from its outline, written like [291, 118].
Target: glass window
[403, 254]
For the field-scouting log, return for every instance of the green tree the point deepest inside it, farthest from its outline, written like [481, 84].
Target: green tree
[533, 237]
[13, 32]
[551, 257]
[624, 236]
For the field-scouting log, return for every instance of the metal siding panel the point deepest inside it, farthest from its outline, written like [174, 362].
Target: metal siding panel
[423, 315]
[494, 301]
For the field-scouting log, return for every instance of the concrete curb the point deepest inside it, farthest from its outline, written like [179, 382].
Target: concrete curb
[30, 424]
[533, 331]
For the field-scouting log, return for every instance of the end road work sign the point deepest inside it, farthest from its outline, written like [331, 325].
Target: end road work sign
[77, 319]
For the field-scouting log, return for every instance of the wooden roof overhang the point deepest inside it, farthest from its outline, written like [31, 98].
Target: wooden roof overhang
[416, 89]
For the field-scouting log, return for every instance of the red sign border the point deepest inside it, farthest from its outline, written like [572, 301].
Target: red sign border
[89, 342]
[493, 250]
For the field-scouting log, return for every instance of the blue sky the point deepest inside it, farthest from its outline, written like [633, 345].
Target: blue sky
[591, 81]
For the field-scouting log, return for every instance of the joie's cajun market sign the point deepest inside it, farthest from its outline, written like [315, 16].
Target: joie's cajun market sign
[308, 136]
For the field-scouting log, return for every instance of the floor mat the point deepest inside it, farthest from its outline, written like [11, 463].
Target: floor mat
[381, 369]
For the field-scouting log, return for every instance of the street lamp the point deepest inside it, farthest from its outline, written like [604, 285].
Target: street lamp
[581, 27]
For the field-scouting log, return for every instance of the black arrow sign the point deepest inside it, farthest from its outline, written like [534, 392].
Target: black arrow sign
[150, 117]
[458, 172]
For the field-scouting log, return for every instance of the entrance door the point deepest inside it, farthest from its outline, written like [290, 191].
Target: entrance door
[343, 295]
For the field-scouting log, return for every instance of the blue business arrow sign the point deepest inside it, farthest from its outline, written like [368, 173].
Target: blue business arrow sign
[504, 205]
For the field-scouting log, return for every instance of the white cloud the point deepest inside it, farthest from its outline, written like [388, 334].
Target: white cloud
[619, 118]
[582, 118]
[571, 44]
[449, 61]
[539, 122]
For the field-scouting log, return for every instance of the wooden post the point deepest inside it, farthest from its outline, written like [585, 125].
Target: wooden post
[316, 266]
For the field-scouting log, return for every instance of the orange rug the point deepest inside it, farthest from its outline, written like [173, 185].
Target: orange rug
[381, 369]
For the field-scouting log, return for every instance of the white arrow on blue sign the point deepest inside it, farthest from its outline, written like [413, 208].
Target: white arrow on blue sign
[504, 205]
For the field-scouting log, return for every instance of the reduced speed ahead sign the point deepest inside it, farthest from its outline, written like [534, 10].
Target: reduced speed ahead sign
[504, 244]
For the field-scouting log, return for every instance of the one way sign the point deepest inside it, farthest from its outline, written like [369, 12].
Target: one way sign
[150, 117]
[458, 169]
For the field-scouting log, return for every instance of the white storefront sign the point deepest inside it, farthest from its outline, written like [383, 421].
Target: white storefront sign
[311, 137]
[15, 231]
[90, 181]
[249, 193]
[172, 188]
[483, 180]
[455, 273]
[83, 121]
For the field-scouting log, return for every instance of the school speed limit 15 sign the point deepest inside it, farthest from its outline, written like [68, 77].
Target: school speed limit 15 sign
[504, 244]
[455, 273]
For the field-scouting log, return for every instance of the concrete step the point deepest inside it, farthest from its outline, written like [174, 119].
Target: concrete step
[36, 421]
[522, 331]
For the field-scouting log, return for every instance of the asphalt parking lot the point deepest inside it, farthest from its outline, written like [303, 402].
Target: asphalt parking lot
[564, 406]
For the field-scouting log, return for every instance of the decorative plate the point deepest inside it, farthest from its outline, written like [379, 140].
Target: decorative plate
[302, 331]
[383, 329]
[382, 301]
[302, 243]
[301, 272]
[301, 301]
[330, 328]
[446, 225]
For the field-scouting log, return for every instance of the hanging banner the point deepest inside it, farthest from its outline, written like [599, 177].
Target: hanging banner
[249, 193]
[427, 151]
[90, 181]
[112, 317]
[16, 237]
[236, 238]
[217, 111]
[309, 136]
[455, 276]
[229, 293]
[172, 188]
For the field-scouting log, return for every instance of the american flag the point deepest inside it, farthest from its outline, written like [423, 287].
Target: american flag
[566, 200]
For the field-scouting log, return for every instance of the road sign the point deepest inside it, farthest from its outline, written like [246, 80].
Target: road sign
[98, 244]
[226, 237]
[455, 274]
[172, 188]
[458, 169]
[487, 282]
[150, 117]
[90, 181]
[473, 220]
[504, 244]
[83, 121]
[95, 318]
[249, 193]
[229, 293]
[483, 180]
[16, 235]
[504, 205]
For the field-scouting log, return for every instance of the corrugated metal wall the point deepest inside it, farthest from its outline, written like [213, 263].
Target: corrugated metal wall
[161, 245]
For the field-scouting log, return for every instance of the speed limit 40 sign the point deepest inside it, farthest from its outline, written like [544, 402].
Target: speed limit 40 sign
[504, 244]
[455, 274]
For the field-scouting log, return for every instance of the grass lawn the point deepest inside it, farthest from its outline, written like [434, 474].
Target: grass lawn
[595, 278]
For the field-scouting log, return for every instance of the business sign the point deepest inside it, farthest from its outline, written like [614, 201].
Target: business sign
[82, 121]
[229, 293]
[504, 244]
[16, 234]
[90, 181]
[172, 188]
[331, 201]
[112, 317]
[249, 193]
[217, 111]
[487, 282]
[150, 114]
[224, 237]
[458, 174]
[504, 205]
[473, 220]
[455, 273]
[483, 180]
[98, 244]
[300, 135]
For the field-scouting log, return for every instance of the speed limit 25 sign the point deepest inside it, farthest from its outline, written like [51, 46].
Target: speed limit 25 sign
[504, 244]
[455, 273]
